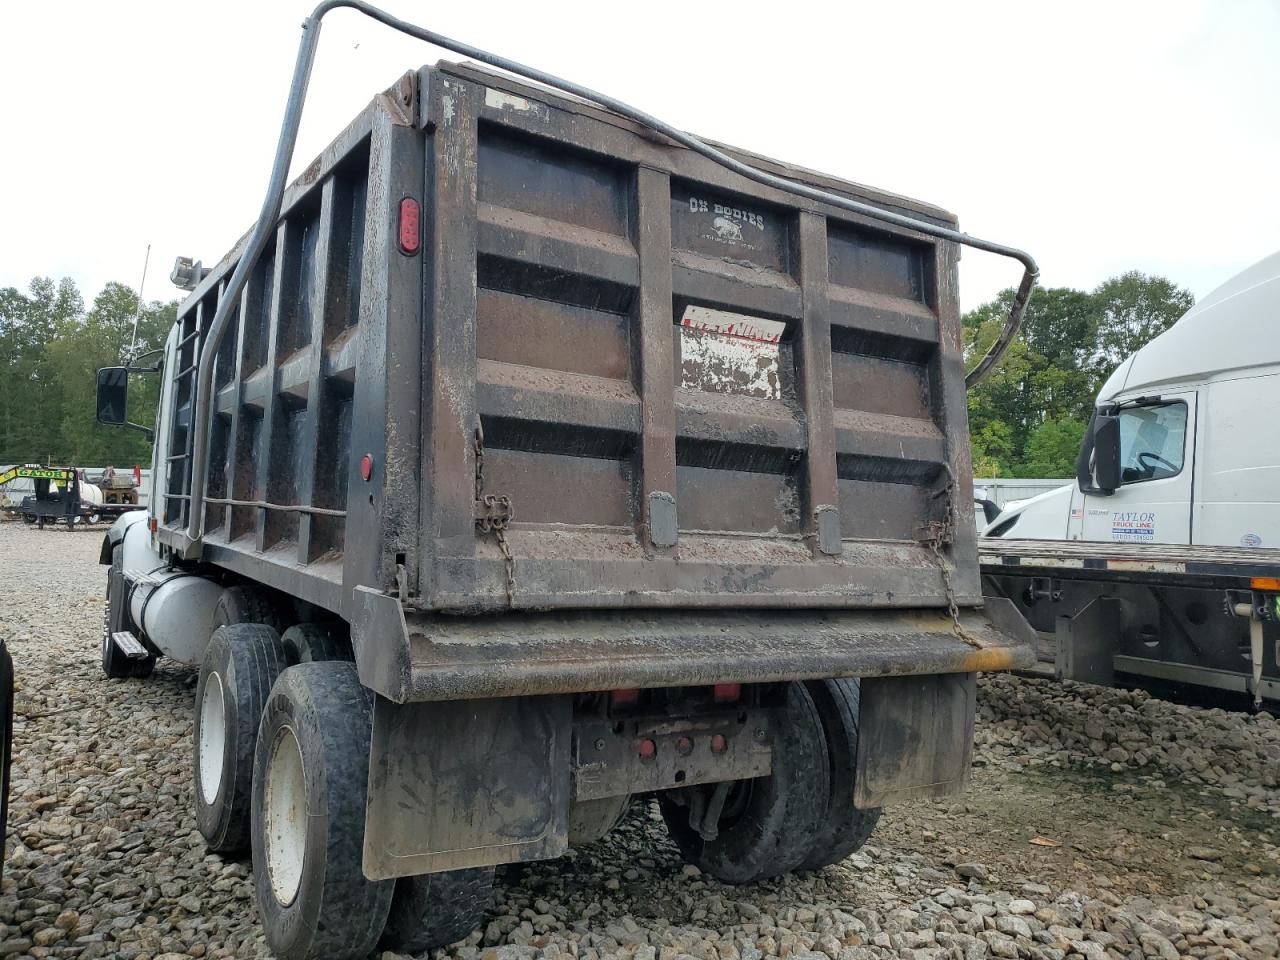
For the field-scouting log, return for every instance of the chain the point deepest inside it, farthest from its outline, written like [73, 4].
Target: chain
[940, 533]
[493, 514]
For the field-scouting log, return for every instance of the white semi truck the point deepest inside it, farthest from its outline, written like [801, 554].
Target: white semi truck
[1161, 559]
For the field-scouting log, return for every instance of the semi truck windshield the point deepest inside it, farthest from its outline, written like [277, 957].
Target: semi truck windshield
[1152, 441]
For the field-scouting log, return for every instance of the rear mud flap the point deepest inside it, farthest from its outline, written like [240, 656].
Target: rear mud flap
[915, 738]
[466, 783]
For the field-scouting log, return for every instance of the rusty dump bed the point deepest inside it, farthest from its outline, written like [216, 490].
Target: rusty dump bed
[684, 389]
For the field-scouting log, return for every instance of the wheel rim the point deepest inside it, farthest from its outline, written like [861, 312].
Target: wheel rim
[285, 816]
[213, 737]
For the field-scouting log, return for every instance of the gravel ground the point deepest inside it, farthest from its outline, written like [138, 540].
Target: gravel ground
[1100, 823]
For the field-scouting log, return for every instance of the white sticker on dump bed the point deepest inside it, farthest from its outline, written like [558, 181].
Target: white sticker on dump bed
[723, 352]
[501, 100]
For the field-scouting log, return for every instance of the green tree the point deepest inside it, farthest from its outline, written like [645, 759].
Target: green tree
[30, 393]
[1133, 309]
[1027, 417]
[1051, 449]
[50, 351]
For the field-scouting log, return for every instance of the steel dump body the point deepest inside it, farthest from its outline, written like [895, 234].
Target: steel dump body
[693, 390]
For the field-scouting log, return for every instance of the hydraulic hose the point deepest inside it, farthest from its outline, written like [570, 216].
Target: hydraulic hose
[284, 154]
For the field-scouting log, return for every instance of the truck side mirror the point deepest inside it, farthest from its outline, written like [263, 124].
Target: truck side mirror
[113, 394]
[1106, 454]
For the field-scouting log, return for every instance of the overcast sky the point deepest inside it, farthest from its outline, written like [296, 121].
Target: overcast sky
[1101, 137]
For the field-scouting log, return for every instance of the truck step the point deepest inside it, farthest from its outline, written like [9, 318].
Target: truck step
[129, 645]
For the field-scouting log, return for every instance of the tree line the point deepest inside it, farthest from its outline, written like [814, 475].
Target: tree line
[1025, 420]
[1028, 417]
[51, 347]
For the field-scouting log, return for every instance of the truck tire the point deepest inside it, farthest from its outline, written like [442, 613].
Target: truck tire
[437, 909]
[768, 824]
[240, 666]
[310, 783]
[313, 643]
[116, 618]
[845, 828]
[247, 604]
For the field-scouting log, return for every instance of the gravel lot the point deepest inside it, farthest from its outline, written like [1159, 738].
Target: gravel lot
[1100, 823]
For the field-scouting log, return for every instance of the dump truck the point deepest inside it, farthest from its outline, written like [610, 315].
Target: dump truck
[530, 456]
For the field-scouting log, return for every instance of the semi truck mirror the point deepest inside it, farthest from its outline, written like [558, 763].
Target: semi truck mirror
[1106, 454]
[113, 394]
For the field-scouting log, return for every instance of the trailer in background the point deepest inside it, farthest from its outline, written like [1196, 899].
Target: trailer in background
[65, 495]
[1186, 615]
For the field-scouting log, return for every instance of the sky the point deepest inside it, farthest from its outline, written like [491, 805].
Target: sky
[1100, 137]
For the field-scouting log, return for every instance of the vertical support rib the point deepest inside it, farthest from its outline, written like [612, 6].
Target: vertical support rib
[813, 357]
[282, 293]
[448, 466]
[654, 377]
[383, 513]
[951, 410]
[239, 466]
[215, 513]
[308, 442]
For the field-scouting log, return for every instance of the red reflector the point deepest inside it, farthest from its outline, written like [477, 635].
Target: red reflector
[718, 743]
[366, 467]
[648, 749]
[410, 225]
[727, 692]
[624, 698]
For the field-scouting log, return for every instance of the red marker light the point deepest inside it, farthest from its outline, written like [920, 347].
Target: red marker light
[727, 692]
[410, 226]
[648, 749]
[625, 698]
[366, 467]
[718, 743]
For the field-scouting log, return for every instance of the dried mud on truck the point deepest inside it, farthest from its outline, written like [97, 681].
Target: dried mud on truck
[548, 463]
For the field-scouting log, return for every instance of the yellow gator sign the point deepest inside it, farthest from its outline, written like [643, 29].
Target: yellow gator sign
[35, 473]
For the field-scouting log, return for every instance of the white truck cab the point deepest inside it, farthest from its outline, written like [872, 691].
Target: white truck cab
[1184, 444]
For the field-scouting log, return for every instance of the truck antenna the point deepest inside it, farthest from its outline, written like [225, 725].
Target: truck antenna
[137, 314]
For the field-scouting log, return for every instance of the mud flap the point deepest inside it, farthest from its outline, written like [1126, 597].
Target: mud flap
[915, 737]
[466, 783]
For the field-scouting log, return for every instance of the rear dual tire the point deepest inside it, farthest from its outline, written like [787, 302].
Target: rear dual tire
[240, 667]
[310, 788]
[844, 828]
[769, 823]
[801, 816]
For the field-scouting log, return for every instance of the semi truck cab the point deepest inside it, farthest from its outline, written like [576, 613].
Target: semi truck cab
[1183, 446]
[1160, 561]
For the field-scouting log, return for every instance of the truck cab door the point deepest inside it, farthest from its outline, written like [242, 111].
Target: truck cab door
[1152, 503]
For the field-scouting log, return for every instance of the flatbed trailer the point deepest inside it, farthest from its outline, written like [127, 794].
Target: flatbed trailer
[1186, 614]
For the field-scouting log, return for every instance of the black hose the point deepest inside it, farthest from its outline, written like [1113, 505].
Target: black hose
[284, 153]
